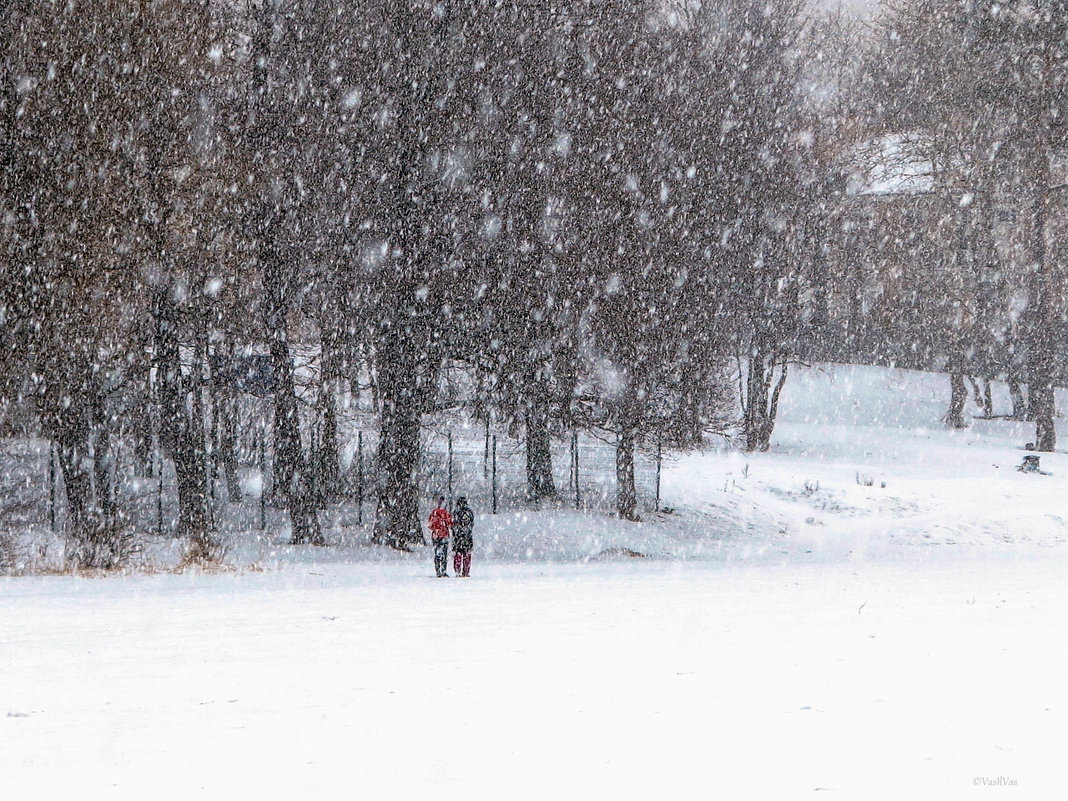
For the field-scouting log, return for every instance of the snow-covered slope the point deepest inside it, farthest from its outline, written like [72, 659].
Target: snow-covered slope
[862, 464]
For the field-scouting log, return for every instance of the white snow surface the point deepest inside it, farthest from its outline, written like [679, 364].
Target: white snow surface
[874, 609]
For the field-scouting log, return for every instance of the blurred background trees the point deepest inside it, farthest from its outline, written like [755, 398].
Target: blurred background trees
[628, 218]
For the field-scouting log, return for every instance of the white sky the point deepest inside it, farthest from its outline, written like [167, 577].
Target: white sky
[860, 8]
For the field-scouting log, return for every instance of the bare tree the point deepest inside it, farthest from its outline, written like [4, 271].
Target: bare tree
[766, 210]
[103, 109]
[995, 88]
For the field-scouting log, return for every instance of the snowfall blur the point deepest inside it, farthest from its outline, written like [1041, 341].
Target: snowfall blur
[740, 326]
[264, 261]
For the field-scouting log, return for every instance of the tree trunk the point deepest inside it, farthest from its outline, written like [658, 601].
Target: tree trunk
[626, 436]
[1042, 350]
[1043, 406]
[958, 398]
[627, 495]
[70, 430]
[327, 462]
[292, 478]
[102, 463]
[984, 398]
[397, 521]
[372, 381]
[194, 521]
[200, 433]
[292, 474]
[762, 404]
[688, 432]
[73, 455]
[180, 437]
[143, 416]
[756, 395]
[539, 447]
[223, 378]
[228, 442]
[1019, 402]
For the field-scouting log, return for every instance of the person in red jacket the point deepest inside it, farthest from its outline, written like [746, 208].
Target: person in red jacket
[440, 526]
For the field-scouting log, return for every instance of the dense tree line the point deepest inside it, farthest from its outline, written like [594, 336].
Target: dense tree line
[603, 213]
[568, 200]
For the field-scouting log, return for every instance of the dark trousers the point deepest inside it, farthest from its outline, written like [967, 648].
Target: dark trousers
[461, 563]
[441, 556]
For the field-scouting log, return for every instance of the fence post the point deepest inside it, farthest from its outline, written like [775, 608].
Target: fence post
[571, 463]
[215, 437]
[263, 479]
[659, 459]
[494, 474]
[159, 491]
[52, 484]
[116, 464]
[313, 465]
[575, 462]
[359, 478]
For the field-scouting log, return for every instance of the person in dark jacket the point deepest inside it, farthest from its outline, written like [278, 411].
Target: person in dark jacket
[463, 540]
[440, 524]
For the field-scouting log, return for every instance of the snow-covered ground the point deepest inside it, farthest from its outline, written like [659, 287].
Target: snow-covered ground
[861, 466]
[873, 609]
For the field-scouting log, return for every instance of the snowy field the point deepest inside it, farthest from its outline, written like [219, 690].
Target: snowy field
[874, 609]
